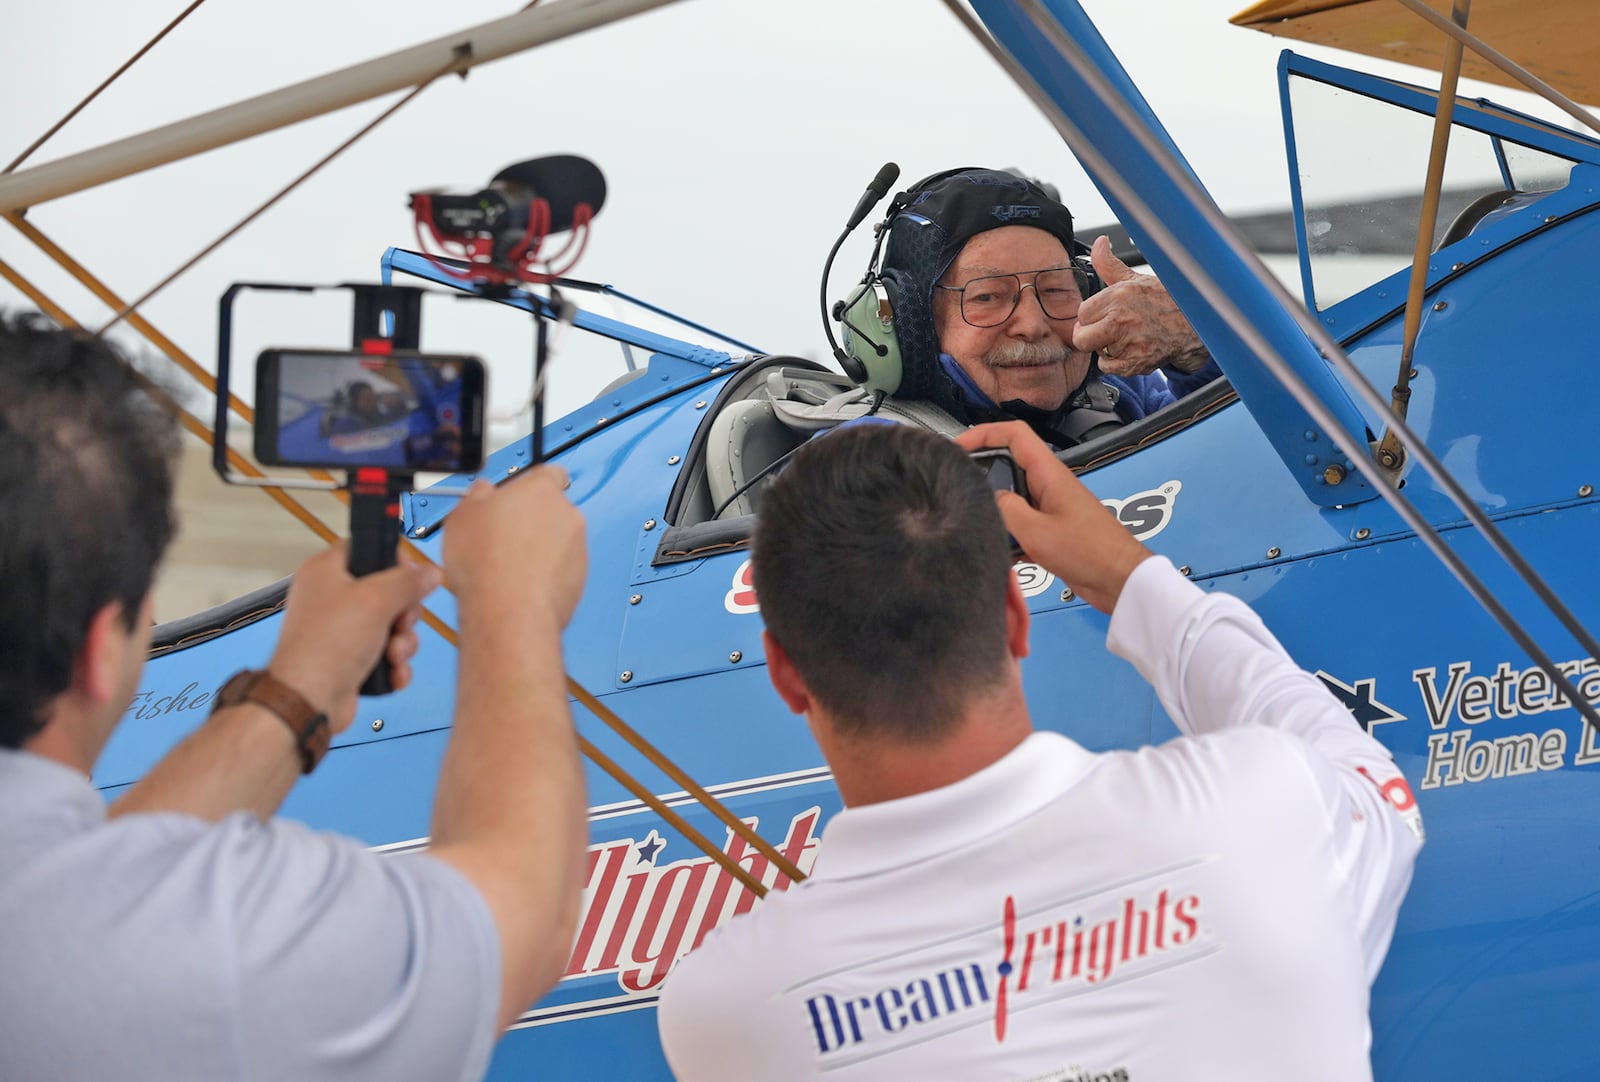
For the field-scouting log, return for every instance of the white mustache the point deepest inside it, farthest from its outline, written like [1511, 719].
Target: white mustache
[1014, 353]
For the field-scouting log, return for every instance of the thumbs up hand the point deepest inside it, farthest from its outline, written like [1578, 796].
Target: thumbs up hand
[1133, 323]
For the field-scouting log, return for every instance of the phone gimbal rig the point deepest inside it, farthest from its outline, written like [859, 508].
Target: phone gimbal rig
[494, 240]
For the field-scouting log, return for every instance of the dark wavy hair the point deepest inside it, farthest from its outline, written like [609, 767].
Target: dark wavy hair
[881, 565]
[86, 478]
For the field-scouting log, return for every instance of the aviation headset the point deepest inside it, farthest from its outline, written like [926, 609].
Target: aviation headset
[890, 344]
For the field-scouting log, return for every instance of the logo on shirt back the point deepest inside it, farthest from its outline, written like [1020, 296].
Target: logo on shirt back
[1065, 948]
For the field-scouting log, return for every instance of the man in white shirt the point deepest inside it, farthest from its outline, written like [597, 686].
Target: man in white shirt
[996, 902]
[188, 934]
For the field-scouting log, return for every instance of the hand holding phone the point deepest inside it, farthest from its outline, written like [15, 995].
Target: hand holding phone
[1063, 526]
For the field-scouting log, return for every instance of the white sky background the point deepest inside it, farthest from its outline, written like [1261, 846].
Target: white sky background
[735, 137]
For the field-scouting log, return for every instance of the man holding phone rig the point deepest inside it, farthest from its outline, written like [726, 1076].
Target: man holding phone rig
[187, 934]
[995, 902]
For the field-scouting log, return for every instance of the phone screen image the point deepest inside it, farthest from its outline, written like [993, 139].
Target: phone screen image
[344, 410]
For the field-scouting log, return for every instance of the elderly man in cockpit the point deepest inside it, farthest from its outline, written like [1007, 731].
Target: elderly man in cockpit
[1094, 346]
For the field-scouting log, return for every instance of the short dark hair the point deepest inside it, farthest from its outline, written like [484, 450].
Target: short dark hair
[881, 565]
[86, 478]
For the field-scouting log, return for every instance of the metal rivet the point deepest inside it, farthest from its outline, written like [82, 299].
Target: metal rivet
[649, 523]
[419, 531]
[634, 599]
[1066, 595]
[736, 656]
[1185, 570]
[422, 501]
[700, 405]
[522, 451]
[1440, 306]
[377, 725]
[1363, 533]
[674, 460]
[716, 371]
[1457, 266]
[1549, 219]
[1311, 435]
[1333, 474]
[601, 421]
[1586, 490]
[627, 674]
[1274, 552]
[510, 470]
[1312, 460]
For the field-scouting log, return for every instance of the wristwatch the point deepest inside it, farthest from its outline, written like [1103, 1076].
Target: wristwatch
[308, 724]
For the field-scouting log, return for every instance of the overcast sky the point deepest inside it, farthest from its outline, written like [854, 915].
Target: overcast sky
[735, 137]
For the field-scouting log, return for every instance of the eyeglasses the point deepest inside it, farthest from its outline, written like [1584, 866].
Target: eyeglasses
[989, 301]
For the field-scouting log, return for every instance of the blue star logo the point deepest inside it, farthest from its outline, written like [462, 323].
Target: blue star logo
[650, 847]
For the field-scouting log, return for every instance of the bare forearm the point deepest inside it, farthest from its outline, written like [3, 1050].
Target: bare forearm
[242, 759]
[510, 809]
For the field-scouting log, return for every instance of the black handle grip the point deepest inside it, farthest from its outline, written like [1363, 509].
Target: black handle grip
[374, 546]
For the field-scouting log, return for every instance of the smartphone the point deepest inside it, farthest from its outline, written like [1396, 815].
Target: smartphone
[1002, 471]
[404, 411]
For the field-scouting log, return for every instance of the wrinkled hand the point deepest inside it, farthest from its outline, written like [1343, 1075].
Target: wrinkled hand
[1133, 323]
[523, 541]
[1067, 530]
[335, 627]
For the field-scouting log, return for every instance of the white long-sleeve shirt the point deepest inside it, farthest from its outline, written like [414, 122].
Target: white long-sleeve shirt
[1216, 907]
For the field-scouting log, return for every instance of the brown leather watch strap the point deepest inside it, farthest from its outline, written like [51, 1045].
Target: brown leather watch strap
[308, 724]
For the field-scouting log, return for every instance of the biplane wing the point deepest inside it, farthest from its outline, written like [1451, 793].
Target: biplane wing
[1553, 39]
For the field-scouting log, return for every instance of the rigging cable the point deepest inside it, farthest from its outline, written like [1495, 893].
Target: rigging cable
[463, 53]
[95, 93]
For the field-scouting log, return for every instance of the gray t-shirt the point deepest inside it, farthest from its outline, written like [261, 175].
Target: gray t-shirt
[161, 946]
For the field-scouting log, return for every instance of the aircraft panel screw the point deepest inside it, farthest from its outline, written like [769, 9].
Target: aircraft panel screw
[1363, 533]
[1586, 491]
[1067, 594]
[626, 675]
[700, 405]
[1185, 570]
[674, 460]
[1333, 474]
[635, 599]
[649, 523]
[1440, 306]
[736, 656]
[1274, 552]
[377, 725]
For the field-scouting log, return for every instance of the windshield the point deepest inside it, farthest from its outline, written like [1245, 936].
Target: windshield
[1361, 164]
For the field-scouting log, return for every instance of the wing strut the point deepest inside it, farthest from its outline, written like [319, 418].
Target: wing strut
[1391, 452]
